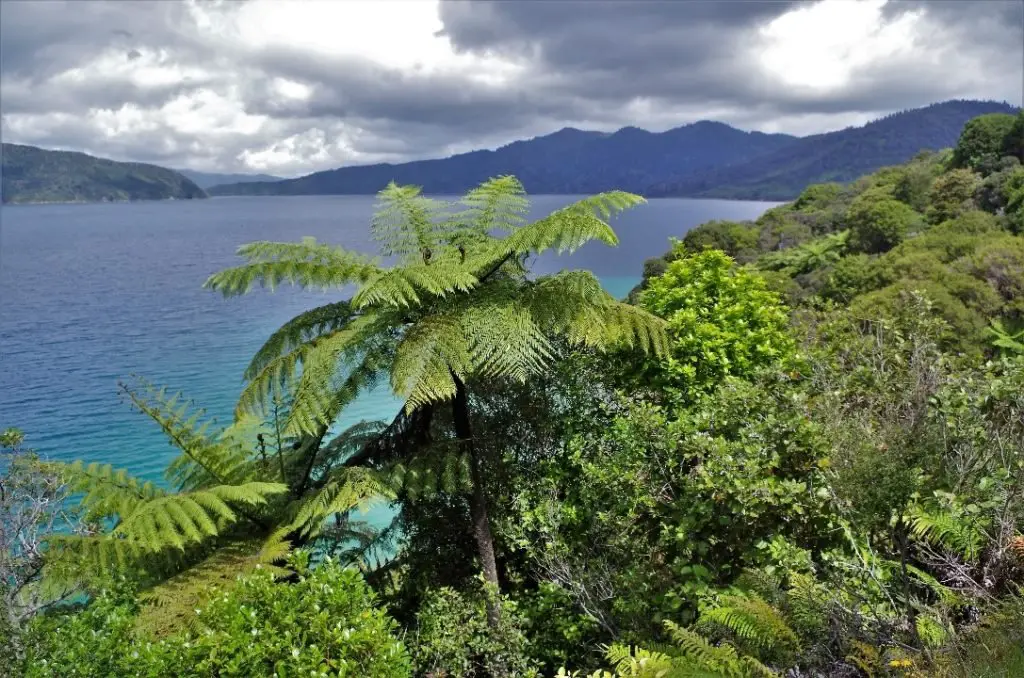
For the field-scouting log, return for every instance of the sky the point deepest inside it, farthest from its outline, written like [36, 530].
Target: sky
[290, 87]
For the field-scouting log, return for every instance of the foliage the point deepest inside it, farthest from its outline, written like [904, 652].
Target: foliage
[983, 140]
[36, 175]
[325, 622]
[233, 506]
[951, 195]
[733, 238]
[32, 509]
[721, 320]
[878, 224]
[452, 637]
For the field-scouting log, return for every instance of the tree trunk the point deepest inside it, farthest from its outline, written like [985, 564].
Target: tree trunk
[478, 499]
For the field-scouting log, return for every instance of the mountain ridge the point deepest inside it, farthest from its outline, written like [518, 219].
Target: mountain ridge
[565, 161]
[706, 158]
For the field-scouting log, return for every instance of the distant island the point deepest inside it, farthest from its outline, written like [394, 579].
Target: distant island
[205, 180]
[36, 175]
[704, 159]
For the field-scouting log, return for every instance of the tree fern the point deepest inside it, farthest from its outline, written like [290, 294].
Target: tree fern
[753, 622]
[458, 306]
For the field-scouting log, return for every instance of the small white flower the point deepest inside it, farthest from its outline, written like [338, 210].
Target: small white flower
[295, 652]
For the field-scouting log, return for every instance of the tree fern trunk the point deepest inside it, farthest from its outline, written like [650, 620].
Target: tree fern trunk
[478, 499]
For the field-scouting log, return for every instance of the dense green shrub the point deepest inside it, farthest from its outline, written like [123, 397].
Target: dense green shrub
[877, 223]
[324, 623]
[722, 321]
[734, 238]
[983, 140]
[452, 637]
[952, 194]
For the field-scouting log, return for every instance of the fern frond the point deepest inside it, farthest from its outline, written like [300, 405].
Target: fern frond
[106, 492]
[406, 223]
[961, 534]
[348, 488]
[753, 621]
[569, 228]
[204, 460]
[298, 332]
[174, 520]
[405, 286]
[426, 475]
[498, 204]
[306, 264]
[425, 359]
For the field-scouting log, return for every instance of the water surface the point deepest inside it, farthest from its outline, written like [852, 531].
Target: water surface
[90, 294]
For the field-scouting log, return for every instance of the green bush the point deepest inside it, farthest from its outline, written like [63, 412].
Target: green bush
[733, 238]
[324, 623]
[983, 139]
[877, 224]
[722, 321]
[952, 194]
[453, 638]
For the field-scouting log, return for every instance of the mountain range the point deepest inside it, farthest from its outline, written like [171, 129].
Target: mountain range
[205, 180]
[702, 159]
[33, 175]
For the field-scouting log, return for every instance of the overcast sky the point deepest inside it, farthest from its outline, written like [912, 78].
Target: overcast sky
[294, 86]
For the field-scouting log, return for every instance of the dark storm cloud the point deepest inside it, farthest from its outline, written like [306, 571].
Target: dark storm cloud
[697, 51]
[596, 64]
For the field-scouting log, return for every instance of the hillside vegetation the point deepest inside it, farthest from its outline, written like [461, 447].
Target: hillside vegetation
[798, 452]
[33, 175]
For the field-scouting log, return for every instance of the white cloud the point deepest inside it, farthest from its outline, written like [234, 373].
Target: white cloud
[822, 46]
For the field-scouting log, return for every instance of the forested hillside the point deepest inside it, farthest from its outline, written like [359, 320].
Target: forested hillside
[31, 174]
[205, 180]
[798, 450]
[569, 161]
[839, 156]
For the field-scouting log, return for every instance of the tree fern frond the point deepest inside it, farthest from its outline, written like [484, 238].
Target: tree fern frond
[174, 520]
[952, 530]
[425, 359]
[299, 331]
[347, 489]
[306, 264]
[569, 228]
[498, 204]
[503, 339]
[406, 223]
[405, 286]
[204, 460]
[106, 492]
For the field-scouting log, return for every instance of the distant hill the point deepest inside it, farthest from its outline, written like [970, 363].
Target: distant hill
[839, 156]
[205, 180]
[31, 174]
[567, 161]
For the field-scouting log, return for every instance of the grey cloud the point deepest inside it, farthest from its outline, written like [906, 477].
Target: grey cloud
[588, 63]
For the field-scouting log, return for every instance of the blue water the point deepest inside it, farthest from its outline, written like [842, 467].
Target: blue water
[90, 294]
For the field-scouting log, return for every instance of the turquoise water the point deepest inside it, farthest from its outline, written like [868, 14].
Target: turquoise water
[90, 294]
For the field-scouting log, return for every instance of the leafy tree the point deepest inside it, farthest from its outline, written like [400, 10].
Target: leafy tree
[458, 305]
[877, 224]
[1013, 142]
[984, 139]
[952, 194]
[733, 238]
[722, 321]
